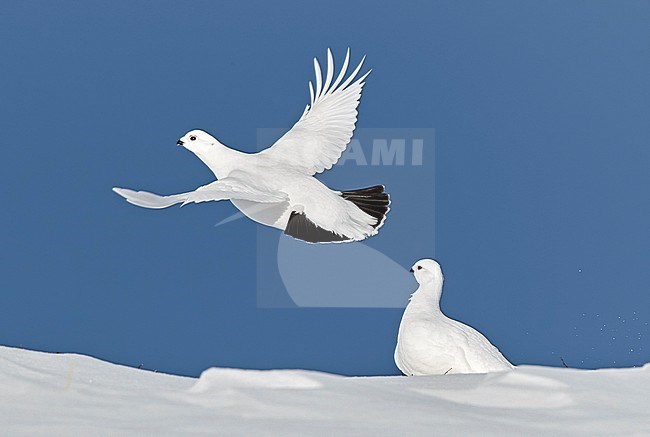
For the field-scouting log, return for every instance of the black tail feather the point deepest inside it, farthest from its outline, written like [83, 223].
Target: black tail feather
[375, 189]
[372, 200]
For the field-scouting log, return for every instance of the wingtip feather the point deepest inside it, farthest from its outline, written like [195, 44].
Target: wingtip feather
[319, 78]
[341, 75]
[330, 71]
[353, 74]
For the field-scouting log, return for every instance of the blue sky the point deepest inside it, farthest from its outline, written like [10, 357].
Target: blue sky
[541, 176]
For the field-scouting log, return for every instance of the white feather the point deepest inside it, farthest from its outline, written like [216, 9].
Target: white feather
[318, 139]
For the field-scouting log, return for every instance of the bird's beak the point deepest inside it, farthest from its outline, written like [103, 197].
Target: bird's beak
[179, 143]
[411, 270]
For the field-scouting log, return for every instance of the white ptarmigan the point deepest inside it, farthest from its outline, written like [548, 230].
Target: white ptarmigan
[276, 187]
[430, 343]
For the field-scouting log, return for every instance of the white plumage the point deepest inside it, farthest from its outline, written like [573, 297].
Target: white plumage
[276, 186]
[430, 343]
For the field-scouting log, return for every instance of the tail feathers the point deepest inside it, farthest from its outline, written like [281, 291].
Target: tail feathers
[371, 203]
[372, 200]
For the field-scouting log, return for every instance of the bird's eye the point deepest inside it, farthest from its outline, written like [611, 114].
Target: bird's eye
[193, 138]
[419, 267]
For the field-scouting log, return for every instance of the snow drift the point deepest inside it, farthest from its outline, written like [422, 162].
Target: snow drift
[67, 394]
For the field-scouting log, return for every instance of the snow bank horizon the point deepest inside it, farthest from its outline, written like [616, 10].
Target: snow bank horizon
[72, 394]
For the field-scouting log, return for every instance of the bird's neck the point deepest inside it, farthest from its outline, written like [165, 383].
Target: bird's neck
[221, 160]
[427, 297]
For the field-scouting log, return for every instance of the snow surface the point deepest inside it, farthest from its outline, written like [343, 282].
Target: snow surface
[66, 394]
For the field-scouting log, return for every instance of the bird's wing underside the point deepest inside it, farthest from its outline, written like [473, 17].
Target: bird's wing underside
[318, 139]
[226, 188]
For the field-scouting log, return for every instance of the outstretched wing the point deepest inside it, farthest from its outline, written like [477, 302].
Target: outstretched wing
[317, 140]
[226, 188]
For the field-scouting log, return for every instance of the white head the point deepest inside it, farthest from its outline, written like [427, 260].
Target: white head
[197, 142]
[427, 271]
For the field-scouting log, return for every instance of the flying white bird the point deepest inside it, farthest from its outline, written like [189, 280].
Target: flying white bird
[430, 343]
[276, 187]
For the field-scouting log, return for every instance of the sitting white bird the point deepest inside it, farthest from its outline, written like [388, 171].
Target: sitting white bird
[430, 343]
[276, 187]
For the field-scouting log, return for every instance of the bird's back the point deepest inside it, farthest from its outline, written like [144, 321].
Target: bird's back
[479, 354]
